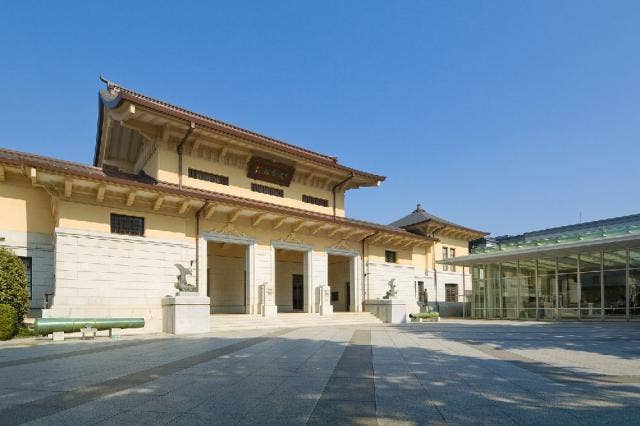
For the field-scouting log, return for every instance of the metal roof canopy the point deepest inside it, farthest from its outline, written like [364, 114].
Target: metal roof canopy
[602, 244]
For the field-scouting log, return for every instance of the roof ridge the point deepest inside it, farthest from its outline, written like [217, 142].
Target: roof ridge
[575, 226]
[48, 158]
[220, 122]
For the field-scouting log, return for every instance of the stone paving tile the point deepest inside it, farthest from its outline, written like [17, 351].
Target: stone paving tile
[461, 372]
[344, 412]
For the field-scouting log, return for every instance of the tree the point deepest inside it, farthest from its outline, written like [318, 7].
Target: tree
[13, 283]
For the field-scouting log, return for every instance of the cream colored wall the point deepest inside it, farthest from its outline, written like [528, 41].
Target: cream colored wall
[239, 183]
[25, 208]
[461, 247]
[403, 257]
[73, 215]
[151, 168]
[339, 275]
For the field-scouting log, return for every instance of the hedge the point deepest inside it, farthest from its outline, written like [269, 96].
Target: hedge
[13, 283]
[8, 322]
[424, 315]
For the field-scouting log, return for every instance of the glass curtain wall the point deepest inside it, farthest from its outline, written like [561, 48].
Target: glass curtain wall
[590, 289]
[589, 285]
[568, 286]
[527, 289]
[478, 291]
[493, 299]
[509, 273]
[614, 266]
[634, 283]
[547, 288]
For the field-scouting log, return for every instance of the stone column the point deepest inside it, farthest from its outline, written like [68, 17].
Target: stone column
[320, 277]
[202, 267]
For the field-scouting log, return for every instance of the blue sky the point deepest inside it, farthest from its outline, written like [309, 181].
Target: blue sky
[505, 116]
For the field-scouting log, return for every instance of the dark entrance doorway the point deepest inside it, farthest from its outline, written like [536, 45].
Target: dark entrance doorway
[348, 294]
[297, 281]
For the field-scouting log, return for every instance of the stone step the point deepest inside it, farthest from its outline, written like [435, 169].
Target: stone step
[286, 320]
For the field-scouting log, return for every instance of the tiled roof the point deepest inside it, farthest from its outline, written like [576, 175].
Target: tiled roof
[145, 182]
[165, 107]
[420, 215]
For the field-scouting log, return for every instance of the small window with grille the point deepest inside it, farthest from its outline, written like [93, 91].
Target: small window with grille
[451, 292]
[264, 189]
[209, 177]
[127, 225]
[315, 200]
[390, 256]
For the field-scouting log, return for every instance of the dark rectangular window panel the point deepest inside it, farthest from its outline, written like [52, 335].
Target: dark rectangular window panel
[315, 200]
[127, 225]
[452, 254]
[209, 177]
[26, 261]
[390, 256]
[263, 189]
[445, 255]
[422, 295]
[451, 293]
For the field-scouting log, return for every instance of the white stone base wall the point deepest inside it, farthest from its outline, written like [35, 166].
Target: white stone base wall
[108, 275]
[40, 248]
[380, 274]
[445, 277]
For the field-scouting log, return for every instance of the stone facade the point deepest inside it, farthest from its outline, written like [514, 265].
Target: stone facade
[107, 275]
[39, 247]
[380, 275]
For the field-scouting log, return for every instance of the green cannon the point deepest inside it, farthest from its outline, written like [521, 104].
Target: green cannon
[44, 326]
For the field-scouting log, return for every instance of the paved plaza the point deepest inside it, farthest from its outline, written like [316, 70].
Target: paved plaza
[455, 372]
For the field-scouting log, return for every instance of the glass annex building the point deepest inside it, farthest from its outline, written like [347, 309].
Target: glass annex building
[583, 271]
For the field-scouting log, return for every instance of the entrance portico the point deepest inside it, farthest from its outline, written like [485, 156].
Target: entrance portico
[227, 253]
[344, 277]
[290, 261]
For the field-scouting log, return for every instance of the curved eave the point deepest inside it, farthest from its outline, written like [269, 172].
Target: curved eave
[471, 233]
[96, 174]
[109, 100]
[585, 246]
[105, 100]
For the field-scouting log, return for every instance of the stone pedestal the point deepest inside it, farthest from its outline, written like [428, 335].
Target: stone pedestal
[185, 313]
[324, 300]
[390, 311]
[267, 305]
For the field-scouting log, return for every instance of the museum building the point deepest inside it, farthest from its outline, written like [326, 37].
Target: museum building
[584, 271]
[253, 224]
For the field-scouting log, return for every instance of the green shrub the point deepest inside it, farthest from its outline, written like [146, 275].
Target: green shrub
[25, 332]
[424, 315]
[13, 283]
[8, 322]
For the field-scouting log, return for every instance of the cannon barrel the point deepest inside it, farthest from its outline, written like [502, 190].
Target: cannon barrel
[71, 325]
